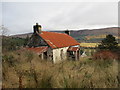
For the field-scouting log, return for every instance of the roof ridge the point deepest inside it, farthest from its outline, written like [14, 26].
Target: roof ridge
[54, 32]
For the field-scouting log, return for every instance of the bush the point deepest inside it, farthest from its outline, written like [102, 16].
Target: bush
[105, 55]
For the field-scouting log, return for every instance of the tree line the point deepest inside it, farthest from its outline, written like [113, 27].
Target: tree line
[13, 43]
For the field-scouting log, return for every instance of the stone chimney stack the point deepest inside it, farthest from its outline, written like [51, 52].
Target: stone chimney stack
[67, 32]
[37, 28]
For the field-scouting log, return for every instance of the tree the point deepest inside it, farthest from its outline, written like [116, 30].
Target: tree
[3, 30]
[26, 40]
[108, 43]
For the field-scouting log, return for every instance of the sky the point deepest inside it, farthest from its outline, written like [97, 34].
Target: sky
[19, 17]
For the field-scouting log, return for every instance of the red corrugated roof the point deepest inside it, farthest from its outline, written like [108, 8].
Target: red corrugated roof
[38, 50]
[58, 40]
[73, 48]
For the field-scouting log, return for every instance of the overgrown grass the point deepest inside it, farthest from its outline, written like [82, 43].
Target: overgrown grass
[36, 73]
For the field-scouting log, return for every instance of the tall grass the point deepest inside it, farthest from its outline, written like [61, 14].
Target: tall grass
[37, 73]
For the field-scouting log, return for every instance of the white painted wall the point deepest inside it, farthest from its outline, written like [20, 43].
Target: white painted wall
[57, 54]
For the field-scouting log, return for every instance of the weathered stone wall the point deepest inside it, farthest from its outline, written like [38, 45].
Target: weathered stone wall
[50, 54]
[36, 41]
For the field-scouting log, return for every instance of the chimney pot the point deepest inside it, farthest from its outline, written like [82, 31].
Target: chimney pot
[67, 32]
[37, 28]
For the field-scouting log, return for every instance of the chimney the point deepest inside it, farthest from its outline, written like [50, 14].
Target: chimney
[37, 28]
[67, 32]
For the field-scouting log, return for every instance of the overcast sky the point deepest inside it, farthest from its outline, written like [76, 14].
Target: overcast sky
[19, 17]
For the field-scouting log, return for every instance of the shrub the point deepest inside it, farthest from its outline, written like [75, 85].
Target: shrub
[105, 55]
[9, 59]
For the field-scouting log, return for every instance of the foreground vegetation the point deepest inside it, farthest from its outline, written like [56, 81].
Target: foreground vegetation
[26, 70]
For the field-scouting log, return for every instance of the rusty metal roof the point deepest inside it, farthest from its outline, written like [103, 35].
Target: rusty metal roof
[73, 48]
[38, 50]
[58, 40]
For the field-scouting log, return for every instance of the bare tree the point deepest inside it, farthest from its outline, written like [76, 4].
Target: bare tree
[3, 30]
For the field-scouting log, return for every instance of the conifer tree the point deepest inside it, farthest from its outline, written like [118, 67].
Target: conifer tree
[109, 43]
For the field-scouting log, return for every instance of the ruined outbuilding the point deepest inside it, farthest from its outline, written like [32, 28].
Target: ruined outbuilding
[53, 46]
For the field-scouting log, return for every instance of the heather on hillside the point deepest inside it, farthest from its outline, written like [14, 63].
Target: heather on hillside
[26, 70]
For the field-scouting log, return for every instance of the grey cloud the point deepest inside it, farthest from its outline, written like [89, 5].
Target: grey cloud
[94, 14]
[19, 17]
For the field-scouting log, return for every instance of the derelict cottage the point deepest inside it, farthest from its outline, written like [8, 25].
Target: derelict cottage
[53, 46]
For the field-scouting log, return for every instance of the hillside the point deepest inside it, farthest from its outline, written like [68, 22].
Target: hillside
[112, 30]
[22, 35]
[87, 35]
[97, 34]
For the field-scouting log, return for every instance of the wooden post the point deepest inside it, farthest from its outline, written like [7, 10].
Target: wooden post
[76, 55]
[42, 56]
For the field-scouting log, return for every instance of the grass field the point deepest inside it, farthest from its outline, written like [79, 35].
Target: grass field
[36, 73]
[90, 44]
[99, 36]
